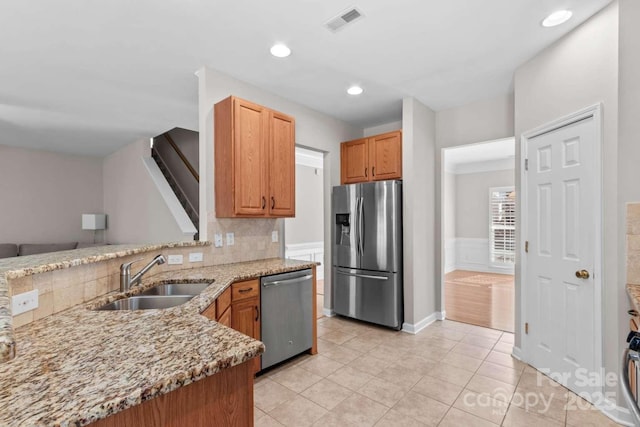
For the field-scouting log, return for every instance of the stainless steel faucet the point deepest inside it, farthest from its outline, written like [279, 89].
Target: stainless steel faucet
[126, 281]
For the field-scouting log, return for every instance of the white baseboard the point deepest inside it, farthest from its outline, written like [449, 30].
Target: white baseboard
[328, 312]
[517, 353]
[417, 327]
[616, 413]
[441, 315]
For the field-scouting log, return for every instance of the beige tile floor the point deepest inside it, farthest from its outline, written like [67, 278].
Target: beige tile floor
[450, 374]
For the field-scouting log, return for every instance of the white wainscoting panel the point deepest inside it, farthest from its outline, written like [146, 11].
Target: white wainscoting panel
[449, 255]
[312, 251]
[473, 255]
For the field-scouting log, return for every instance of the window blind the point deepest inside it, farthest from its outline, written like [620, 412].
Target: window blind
[502, 218]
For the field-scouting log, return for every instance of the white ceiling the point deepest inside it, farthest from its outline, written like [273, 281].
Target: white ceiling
[481, 157]
[88, 77]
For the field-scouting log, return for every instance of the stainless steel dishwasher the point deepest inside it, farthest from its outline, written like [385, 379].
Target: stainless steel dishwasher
[287, 315]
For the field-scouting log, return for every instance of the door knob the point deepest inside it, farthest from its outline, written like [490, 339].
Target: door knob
[582, 274]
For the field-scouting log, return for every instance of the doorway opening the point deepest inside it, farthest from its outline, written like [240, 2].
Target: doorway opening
[304, 234]
[478, 218]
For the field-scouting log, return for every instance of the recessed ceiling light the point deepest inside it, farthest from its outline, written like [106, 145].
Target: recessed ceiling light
[280, 50]
[557, 18]
[354, 90]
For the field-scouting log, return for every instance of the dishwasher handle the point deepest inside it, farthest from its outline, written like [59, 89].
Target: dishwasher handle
[287, 281]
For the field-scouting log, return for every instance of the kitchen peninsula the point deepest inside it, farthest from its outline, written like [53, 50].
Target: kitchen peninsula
[80, 366]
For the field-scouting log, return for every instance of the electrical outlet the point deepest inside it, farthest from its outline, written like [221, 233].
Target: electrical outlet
[195, 257]
[230, 239]
[217, 240]
[274, 236]
[24, 302]
[175, 259]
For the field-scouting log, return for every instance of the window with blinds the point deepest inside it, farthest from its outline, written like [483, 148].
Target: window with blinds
[502, 218]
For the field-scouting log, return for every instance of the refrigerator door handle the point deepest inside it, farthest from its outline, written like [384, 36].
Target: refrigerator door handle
[357, 226]
[363, 276]
[361, 225]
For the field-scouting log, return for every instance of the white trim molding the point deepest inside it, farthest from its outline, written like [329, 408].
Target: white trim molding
[170, 198]
[472, 254]
[328, 312]
[309, 158]
[417, 327]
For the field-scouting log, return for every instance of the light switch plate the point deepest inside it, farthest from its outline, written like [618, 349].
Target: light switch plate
[274, 236]
[24, 302]
[217, 240]
[195, 257]
[230, 239]
[175, 259]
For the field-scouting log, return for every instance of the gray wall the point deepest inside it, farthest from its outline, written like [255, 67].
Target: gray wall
[472, 201]
[578, 71]
[628, 142]
[307, 226]
[485, 120]
[418, 152]
[45, 194]
[136, 211]
[383, 128]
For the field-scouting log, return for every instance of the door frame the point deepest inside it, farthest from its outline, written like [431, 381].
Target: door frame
[594, 111]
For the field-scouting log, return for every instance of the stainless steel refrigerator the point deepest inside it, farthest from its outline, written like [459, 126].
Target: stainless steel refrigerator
[367, 252]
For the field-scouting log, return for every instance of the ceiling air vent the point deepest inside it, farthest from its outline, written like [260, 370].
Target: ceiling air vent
[345, 17]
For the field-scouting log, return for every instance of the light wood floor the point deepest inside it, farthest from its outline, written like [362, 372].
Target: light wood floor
[483, 299]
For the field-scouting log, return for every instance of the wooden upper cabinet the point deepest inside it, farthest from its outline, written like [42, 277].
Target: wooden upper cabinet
[254, 151]
[375, 158]
[282, 163]
[385, 156]
[354, 166]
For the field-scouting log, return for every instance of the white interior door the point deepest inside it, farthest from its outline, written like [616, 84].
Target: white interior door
[562, 220]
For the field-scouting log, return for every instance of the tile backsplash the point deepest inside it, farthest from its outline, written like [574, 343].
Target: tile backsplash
[61, 289]
[252, 239]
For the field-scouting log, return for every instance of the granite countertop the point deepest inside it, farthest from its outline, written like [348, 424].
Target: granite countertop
[80, 365]
[14, 268]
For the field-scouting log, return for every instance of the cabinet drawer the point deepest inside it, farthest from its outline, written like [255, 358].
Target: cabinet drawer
[245, 289]
[223, 301]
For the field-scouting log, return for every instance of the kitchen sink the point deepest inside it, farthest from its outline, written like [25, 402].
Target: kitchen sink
[146, 302]
[177, 289]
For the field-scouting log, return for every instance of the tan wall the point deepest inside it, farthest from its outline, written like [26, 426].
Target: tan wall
[472, 201]
[43, 195]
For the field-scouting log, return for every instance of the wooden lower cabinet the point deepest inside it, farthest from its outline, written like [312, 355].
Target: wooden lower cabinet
[223, 400]
[245, 310]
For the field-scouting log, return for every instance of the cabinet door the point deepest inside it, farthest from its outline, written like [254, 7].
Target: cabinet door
[385, 156]
[354, 161]
[282, 163]
[250, 158]
[245, 318]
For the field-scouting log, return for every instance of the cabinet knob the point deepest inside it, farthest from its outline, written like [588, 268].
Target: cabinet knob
[273, 202]
[365, 172]
[373, 171]
[257, 313]
[264, 202]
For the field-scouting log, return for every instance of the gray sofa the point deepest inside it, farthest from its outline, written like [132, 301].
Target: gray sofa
[8, 250]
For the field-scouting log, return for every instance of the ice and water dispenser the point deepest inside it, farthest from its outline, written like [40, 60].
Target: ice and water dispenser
[343, 229]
